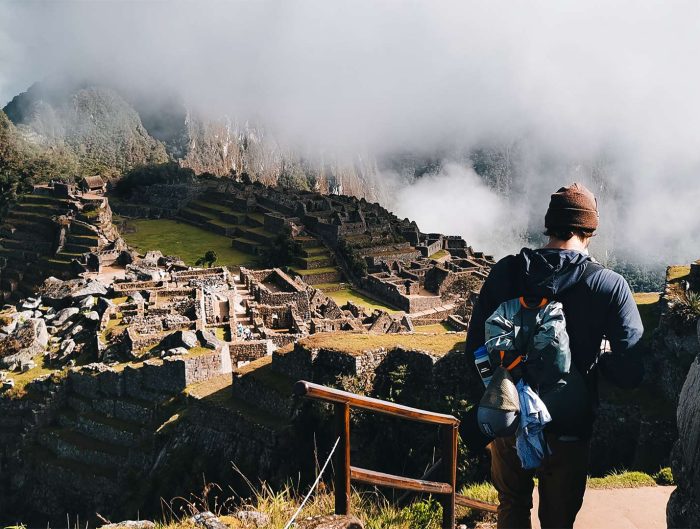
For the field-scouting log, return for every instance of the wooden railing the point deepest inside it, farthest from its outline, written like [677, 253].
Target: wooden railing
[344, 472]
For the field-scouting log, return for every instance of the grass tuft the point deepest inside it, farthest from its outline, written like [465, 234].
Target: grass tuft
[622, 480]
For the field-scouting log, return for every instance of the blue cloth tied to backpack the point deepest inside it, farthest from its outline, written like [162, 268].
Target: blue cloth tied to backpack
[529, 441]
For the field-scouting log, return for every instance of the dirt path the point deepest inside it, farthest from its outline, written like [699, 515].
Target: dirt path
[641, 508]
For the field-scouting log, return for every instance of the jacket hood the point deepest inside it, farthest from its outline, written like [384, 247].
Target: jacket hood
[548, 272]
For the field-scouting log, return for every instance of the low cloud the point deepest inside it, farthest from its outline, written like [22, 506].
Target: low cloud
[604, 92]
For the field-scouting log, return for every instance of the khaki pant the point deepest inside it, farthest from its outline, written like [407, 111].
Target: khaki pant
[562, 483]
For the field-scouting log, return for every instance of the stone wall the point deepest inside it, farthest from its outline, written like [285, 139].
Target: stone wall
[694, 278]
[684, 506]
[249, 350]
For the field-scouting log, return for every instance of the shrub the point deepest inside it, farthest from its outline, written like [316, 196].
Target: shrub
[426, 514]
[686, 309]
[664, 477]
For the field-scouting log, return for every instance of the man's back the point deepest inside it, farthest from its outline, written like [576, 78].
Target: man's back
[597, 303]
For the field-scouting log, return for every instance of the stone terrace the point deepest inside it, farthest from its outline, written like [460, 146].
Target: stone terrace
[54, 231]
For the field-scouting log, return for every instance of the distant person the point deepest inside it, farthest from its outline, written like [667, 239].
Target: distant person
[597, 303]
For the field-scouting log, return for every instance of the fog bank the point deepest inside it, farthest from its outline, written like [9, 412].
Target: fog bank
[600, 92]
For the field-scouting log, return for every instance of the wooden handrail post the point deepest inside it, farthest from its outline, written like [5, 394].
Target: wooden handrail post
[448, 434]
[342, 459]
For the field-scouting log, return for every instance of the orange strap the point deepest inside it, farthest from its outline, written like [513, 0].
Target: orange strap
[513, 363]
[543, 302]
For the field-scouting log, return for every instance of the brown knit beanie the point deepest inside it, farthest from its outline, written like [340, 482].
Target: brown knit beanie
[572, 207]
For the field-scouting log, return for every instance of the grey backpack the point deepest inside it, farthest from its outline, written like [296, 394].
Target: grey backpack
[527, 339]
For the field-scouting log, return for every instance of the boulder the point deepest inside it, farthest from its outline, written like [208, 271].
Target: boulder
[254, 518]
[10, 327]
[75, 330]
[175, 351]
[67, 347]
[683, 510]
[136, 297]
[64, 315]
[25, 315]
[334, 521]
[87, 302]
[30, 339]
[26, 366]
[90, 289]
[208, 339]
[31, 303]
[208, 520]
[102, 305]
[186, 339]
[92, 316]
[59, 293]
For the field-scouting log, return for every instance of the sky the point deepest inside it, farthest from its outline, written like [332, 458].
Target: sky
[578, 89]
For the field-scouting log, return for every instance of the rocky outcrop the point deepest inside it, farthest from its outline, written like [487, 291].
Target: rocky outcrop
[29, 339]
[674, 344]
[98, 127]
[93, 122]
[684, 506]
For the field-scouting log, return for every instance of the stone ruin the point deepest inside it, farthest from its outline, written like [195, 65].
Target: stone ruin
[163, 308]
[56, 230]
[282, 310]
[340, 235]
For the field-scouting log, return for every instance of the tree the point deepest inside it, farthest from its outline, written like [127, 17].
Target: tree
[208, 259]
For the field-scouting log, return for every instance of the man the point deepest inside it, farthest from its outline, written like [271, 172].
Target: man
[597, 303]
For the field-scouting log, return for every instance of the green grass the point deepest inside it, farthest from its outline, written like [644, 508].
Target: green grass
[222, 334]
[184, 240]
[119, 300]
[622, 480]
[358, 343]
[439, 328]
[315, 271]
[440, 254]
[341, 297]
[22, 379]
[675, 273]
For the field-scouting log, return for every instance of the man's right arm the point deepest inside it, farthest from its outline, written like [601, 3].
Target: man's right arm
[623, 328]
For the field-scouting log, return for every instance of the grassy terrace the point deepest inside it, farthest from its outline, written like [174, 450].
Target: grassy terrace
[22, 379]
[302, 272]
[439, 344]
[437, 328]
[212, 205]
[184, 240]
[440, 254]
[341, 297]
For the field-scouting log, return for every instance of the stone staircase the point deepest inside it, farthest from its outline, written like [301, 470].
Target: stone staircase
[97, 443]
[29, 235]
[223, 215]
[219, 215]
[317, 264]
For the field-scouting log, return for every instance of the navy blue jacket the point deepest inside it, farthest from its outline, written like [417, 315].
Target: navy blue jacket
[599, 305]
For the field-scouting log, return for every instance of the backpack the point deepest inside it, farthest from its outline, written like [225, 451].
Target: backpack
[526, 337]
